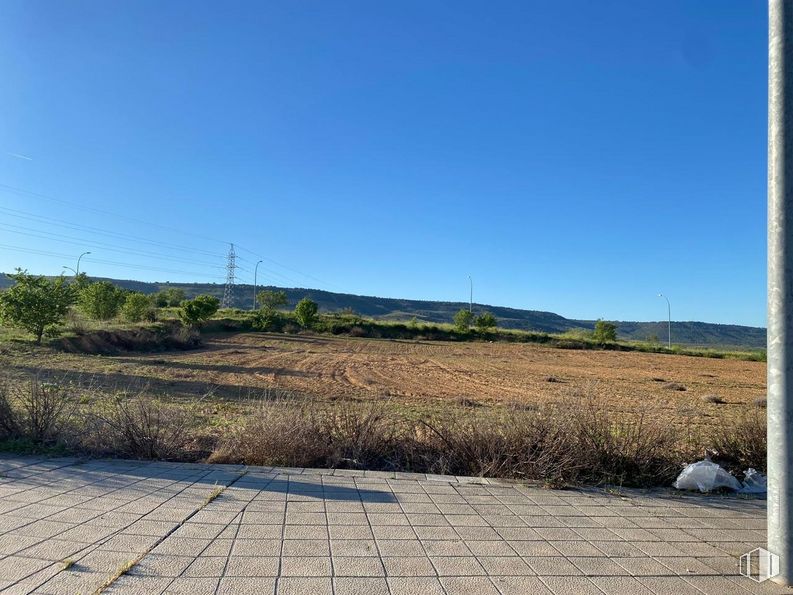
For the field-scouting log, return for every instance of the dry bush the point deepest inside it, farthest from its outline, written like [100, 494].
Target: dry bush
[623, 450]
[522, 444]
[295, 434]
[280, 434]
[741, 443]
[138, 426]
[713, 399]
[35, 410]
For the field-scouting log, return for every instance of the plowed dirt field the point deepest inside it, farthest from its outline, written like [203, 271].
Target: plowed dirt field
[431, 373]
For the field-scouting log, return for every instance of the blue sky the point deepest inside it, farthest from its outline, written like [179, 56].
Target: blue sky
[577, 156]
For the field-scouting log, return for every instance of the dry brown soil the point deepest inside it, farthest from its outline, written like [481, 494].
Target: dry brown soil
[429, 373]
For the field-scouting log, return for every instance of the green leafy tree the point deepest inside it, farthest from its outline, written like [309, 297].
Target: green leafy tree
[35, 304]
[463, 320]
[271, 300]
[101, 300]
[485, 321]
[268, 320]
[137, 306]
[605, 332]
[306, 312]
[173, 296]
[198, 310]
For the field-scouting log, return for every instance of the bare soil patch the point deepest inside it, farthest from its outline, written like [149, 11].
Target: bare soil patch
[421, 374]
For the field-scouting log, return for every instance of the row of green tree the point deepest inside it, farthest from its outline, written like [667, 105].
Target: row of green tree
[465, 319]
[39, 305]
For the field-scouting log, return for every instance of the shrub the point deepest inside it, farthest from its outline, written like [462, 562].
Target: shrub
[605, 332]
[485, 321]
[137, 307]
[35, 304]
[173, 296]
[742, 442]
[140, 427]
[306, 312]
[268, 320]
[713, 399]
[271, 300]
[195, 312]
[34, 410]
[463, 320]
[101, 300]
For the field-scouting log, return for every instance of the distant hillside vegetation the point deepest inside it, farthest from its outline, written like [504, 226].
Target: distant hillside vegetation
[688, 333]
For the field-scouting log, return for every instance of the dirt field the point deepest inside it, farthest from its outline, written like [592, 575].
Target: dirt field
[424, 374]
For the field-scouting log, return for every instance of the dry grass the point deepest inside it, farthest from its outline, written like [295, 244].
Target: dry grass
[742, 443]
[713, 400]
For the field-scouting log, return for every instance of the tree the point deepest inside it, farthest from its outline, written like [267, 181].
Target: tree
[35, 304]
[485, 321]
[271, 300]
[605, 332]
[197, 311]
[463, 320]
[306, 312]
[101, 300]
[137, 307]
[173, 296]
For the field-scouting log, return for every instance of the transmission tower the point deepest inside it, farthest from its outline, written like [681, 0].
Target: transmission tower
[231, 268]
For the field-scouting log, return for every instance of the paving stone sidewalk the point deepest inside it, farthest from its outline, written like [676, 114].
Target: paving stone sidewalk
[69, 526]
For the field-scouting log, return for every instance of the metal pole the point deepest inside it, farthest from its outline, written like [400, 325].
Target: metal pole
[71, 269]
[780, 286]
[471, 298]
[78, 262]
[255, 270]
[668, 321]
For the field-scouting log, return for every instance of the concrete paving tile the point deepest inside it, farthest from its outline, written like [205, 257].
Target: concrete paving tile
[599, 566]
[246, 586]
[468, 585]
[158, 565]
[15, 568]
[360, 586]
[353, 547]
[304, 586]
[134, 585]
[193, 586]
[259, 532]
[415, 586]
[400, 547]
[357, 566]
[206, 566]
[533, 548]
[504, 566]
[302, 531]
[552, 566]
[457, 566]
[447, 548]
[256, 547]
[250, 566]
[567, 585]
[620, 585]
[409, 566]
[663, 585]
[520, 585]
[305, 566]
[306, 547]
[387, 532]
[351, 532]
[218, 547]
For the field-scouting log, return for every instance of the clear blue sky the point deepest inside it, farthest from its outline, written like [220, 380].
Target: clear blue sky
[576, 156]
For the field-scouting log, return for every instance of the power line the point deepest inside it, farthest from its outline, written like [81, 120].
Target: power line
[25, 192]
[47, 235]
[107, 262]
[98, 231]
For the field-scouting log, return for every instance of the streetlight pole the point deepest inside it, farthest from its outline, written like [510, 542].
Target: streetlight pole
[71, 269]
[471, 297]
[255, 271]
[780, 286]
[78, 262]
[669, 320]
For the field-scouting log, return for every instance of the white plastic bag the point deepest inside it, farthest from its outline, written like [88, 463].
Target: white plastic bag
[754, 482]
[705, 476]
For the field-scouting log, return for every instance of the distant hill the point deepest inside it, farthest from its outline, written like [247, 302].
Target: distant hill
[688, 333]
